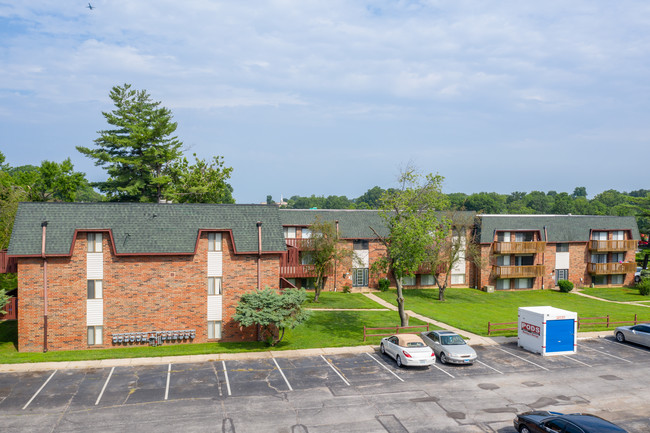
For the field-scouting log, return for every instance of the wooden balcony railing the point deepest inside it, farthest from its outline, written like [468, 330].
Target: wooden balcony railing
[518, 271]
[297, 271]
[519, 247]
[7, 265]
[301, 244]
[611, 268]
[624, 245]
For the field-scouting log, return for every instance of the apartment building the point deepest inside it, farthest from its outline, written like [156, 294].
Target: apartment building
[102, 275]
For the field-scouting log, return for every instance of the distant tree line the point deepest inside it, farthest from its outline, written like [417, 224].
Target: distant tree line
[611, 202]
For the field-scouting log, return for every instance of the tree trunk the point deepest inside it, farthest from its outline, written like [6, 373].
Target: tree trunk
[318, 286]
[403, 317]
[441, 292]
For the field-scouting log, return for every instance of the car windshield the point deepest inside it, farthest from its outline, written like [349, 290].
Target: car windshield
[414, 344]
[452, 340]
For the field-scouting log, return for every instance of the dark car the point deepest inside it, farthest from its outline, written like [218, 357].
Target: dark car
[545, 422]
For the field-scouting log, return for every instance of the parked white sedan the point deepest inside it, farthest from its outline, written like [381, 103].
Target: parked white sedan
[449, 347]
[407, 349]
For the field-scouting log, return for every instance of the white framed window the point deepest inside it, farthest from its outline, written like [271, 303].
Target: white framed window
[457, 279]
[599, 258]
[94, 242]
[427, 280]
[214, 329]
[527, 260]
[503, 260]
[306, 233]
[214, 286]
[618, 235]
[523, 283]
[599, 236]
[289, 232]
[524, 236]
[214, 241]
[95, 335]
[408, 280]
[503, 284]
[503, 237]
[95, 289]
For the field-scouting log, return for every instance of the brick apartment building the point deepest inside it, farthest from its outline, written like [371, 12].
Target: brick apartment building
[101, 275]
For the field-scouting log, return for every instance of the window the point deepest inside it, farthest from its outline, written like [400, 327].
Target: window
[95, 335]
[360, 244]
[289, 232]
[523, 283]
[214, 241]
[360, 277]
[524, 260]
[555, 425]
[599, 280]
[214, 285]
[599, 258]
[599, 236]
[562, 248]
[427, 280]
[306, 233]
[618, 257]
[503, 284]
[214, 329]
[524, 236]
[617, 279]
[408, 280]
[94, 242]
[618, 235]
[503, 260]
[503, 237]
[95, 289]
[457, 279]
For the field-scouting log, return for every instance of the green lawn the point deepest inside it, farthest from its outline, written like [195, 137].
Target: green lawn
[623, 294]
[323, 329]
[472, 309]
[340, 300]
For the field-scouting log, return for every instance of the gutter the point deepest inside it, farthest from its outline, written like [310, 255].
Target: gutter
[44, 226]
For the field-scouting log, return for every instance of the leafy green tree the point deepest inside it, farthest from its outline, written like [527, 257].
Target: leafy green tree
[457, 200]
[370, 199]
[324, 252]
[539, 202]
[200, 183]
[563, 204]
[4, 300]
[269, 199]
[272, 310]
[410, 215]
[486, 202]
[51, 181]
[579, 191]
[139, 152]
[610, 198]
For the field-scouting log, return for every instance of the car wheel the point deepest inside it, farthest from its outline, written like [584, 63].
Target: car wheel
[398, 360]
[443, 357]
[620, 337]
[382, 349]
[524, 429]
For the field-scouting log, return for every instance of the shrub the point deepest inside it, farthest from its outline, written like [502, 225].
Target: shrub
[644, 287]
[384, 284]
[565, 286]
[346, 289]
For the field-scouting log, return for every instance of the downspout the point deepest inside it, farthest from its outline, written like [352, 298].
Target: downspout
[44, 226]
[259, 255]
[336, 262]
[544, 256]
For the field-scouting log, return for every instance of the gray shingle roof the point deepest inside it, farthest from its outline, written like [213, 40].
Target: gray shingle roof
[143, 228]
[353, 224]
[560, 228]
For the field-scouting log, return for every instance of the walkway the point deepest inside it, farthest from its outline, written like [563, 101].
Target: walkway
[637, 303]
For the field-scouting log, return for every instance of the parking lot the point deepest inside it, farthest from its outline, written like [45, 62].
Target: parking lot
[363, 391]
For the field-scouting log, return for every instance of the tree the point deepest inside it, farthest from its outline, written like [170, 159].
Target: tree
[370, 199]
[200, 183]
[272, 310]
[51, 181]
[411, 219]
[140, 151]
[579, 191]
[445, 254]
[324, 252]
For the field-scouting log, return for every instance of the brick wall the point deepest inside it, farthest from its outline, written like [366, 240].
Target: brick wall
[140, 293]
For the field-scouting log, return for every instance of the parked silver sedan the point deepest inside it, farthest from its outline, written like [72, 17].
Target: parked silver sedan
[639, 334]
[407, 349]
[449, 347]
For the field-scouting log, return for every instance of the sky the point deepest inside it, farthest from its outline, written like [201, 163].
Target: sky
[334, 97]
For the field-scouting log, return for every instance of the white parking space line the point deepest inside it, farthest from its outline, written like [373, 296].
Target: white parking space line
[579, 362]
[282, 373]
[169, 373]
[99, 397]
[641, 349]
[385, 368]
[336, 371]
[523, 359]
[482, 363]
[605, 353]
[39, 390]
[225, 372]
[448, 374]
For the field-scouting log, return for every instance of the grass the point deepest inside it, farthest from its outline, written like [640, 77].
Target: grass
[622, 294]
[471, 309]
[323, 329]
[341, 300]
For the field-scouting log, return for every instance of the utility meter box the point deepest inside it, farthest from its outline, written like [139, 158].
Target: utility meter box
[547, 330]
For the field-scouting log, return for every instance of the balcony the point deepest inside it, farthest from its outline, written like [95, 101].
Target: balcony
[297, 271]
[7, 265]
[611, 268]
[301, 244]
[531, 247]
[531, 271]
[623, 245]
